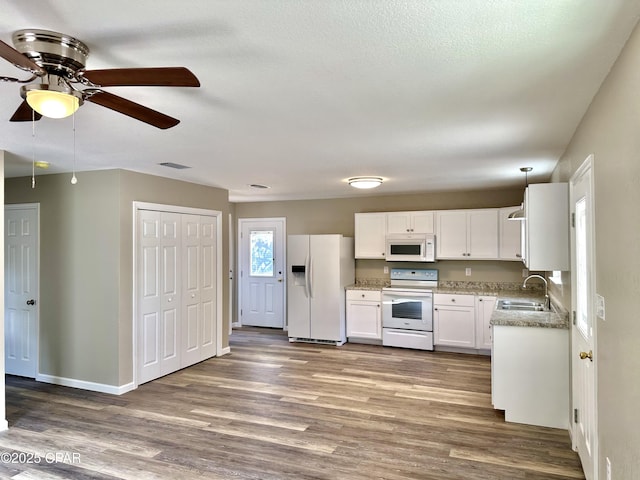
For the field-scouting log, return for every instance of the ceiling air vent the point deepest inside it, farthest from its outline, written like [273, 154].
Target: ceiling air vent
[177, 166]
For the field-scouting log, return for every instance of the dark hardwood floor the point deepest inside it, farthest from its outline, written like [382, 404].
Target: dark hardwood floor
[276, 410]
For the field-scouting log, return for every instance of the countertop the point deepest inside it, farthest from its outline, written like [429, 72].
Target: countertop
[557, 318]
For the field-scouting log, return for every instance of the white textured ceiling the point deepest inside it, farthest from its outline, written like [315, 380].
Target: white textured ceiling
[300, 95]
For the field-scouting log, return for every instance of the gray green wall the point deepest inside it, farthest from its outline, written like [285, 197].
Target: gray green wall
[610, 130]
[86, 265]
[336, 216]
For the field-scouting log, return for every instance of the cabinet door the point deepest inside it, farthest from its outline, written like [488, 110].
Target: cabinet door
[482, 233]
[364, 319]
[451, 234]
[510, 243]
[370, 232]
[423, 222]
[399, 222]
[454, 326]
[484, 310]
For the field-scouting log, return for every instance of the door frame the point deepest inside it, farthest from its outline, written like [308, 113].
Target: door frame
[36, 207]
[240, 258]
[586, 166]
[137, 206]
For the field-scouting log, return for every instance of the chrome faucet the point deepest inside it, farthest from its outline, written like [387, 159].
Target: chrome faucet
[547, 302]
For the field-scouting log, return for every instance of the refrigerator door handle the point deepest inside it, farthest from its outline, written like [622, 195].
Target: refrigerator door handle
[310, 276]
[306, 277]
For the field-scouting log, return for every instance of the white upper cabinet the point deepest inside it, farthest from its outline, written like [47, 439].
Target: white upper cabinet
[510, 244]
[546, 227]
[410, 222]
[370, 232]
[467, 234]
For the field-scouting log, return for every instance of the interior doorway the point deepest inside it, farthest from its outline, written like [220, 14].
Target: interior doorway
[262, 280]
[584, 358]
[21, 292]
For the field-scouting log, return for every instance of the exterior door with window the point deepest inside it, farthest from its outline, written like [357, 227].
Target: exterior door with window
[584, 357]
[262, 272]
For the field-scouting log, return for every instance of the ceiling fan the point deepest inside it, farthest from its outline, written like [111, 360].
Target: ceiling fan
[58, 62]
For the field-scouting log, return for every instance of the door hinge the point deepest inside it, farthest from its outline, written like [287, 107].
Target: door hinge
[573, 219]
[575, 415]
[573, 314]
[240, 312]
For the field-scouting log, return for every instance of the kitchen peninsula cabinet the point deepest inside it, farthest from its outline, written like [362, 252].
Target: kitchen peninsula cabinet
[370, 232]
[530, 375]
[467, 234]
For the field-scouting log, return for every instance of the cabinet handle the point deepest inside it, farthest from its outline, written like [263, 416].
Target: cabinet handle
[518, 255]
[479, 299]
[363, 295]
[436, 309]
[453, 299]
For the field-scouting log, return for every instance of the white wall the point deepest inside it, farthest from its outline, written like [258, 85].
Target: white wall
[611, 131]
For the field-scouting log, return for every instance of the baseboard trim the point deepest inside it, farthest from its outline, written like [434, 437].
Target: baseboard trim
[224, 351]
[84, 385]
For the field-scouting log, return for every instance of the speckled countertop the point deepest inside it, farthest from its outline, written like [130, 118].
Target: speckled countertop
[557, 318]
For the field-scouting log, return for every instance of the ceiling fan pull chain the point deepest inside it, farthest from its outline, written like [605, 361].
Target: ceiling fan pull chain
[74, 179]
[33, 149]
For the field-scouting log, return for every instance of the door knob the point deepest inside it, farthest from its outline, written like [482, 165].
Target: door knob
[280, 280]
[31, 302]
[584, 355]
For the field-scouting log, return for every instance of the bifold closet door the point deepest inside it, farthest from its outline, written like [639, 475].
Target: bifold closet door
[198, 280]
[159, 267]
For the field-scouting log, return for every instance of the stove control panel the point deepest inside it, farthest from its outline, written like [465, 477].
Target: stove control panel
[418, 274]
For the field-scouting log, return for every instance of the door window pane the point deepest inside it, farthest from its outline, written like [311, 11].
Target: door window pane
[261, 253]
[582, 288]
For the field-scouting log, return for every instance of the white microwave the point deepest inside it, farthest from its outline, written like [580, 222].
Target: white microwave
[411, 247]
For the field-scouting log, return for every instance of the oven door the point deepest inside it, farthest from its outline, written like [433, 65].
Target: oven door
[407, 309]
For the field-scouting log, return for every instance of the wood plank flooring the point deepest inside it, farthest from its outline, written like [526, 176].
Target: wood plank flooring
[276, 410]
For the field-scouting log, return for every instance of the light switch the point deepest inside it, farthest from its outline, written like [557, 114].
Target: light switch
[385, 269]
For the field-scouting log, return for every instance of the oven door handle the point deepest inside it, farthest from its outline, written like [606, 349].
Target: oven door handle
[401, 295]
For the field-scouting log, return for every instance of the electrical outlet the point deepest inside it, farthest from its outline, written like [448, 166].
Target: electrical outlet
[467, 272]
[608, 468]
[385, 269]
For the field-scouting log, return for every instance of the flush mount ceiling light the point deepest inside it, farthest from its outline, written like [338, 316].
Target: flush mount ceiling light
[365, 182]
[50, 100]
[519, 214]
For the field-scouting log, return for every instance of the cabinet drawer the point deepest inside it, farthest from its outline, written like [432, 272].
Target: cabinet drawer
[369, 295]
[453, 299]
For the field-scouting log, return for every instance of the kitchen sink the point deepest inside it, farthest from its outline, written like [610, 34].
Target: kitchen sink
[522, 305]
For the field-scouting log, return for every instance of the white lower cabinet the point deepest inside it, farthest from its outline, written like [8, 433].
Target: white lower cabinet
[484, 309]
[364, 315]
[454, 320]
[530, 375]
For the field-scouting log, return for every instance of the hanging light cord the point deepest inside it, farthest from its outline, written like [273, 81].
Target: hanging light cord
[74, 179]
[33, 148]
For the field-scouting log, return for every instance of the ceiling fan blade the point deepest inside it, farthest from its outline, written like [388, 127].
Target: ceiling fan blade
[12, 55]
[133, 110]
[24, 113]
[153, 77]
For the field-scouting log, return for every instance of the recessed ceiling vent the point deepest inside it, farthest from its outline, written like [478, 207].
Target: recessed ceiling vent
[177, 166]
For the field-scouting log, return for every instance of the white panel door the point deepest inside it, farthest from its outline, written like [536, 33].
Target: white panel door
[169, 338]
[584, 362]
[262, 272]
[158, 330]
[191, 281]
[208, 286]
[451, 234]
[21, 290]
[149, 298]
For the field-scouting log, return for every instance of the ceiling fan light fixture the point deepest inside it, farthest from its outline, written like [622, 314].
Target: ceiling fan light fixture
[365, 182]
[50, 101]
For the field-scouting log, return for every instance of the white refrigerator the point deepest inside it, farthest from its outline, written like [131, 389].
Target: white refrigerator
[319, 267]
